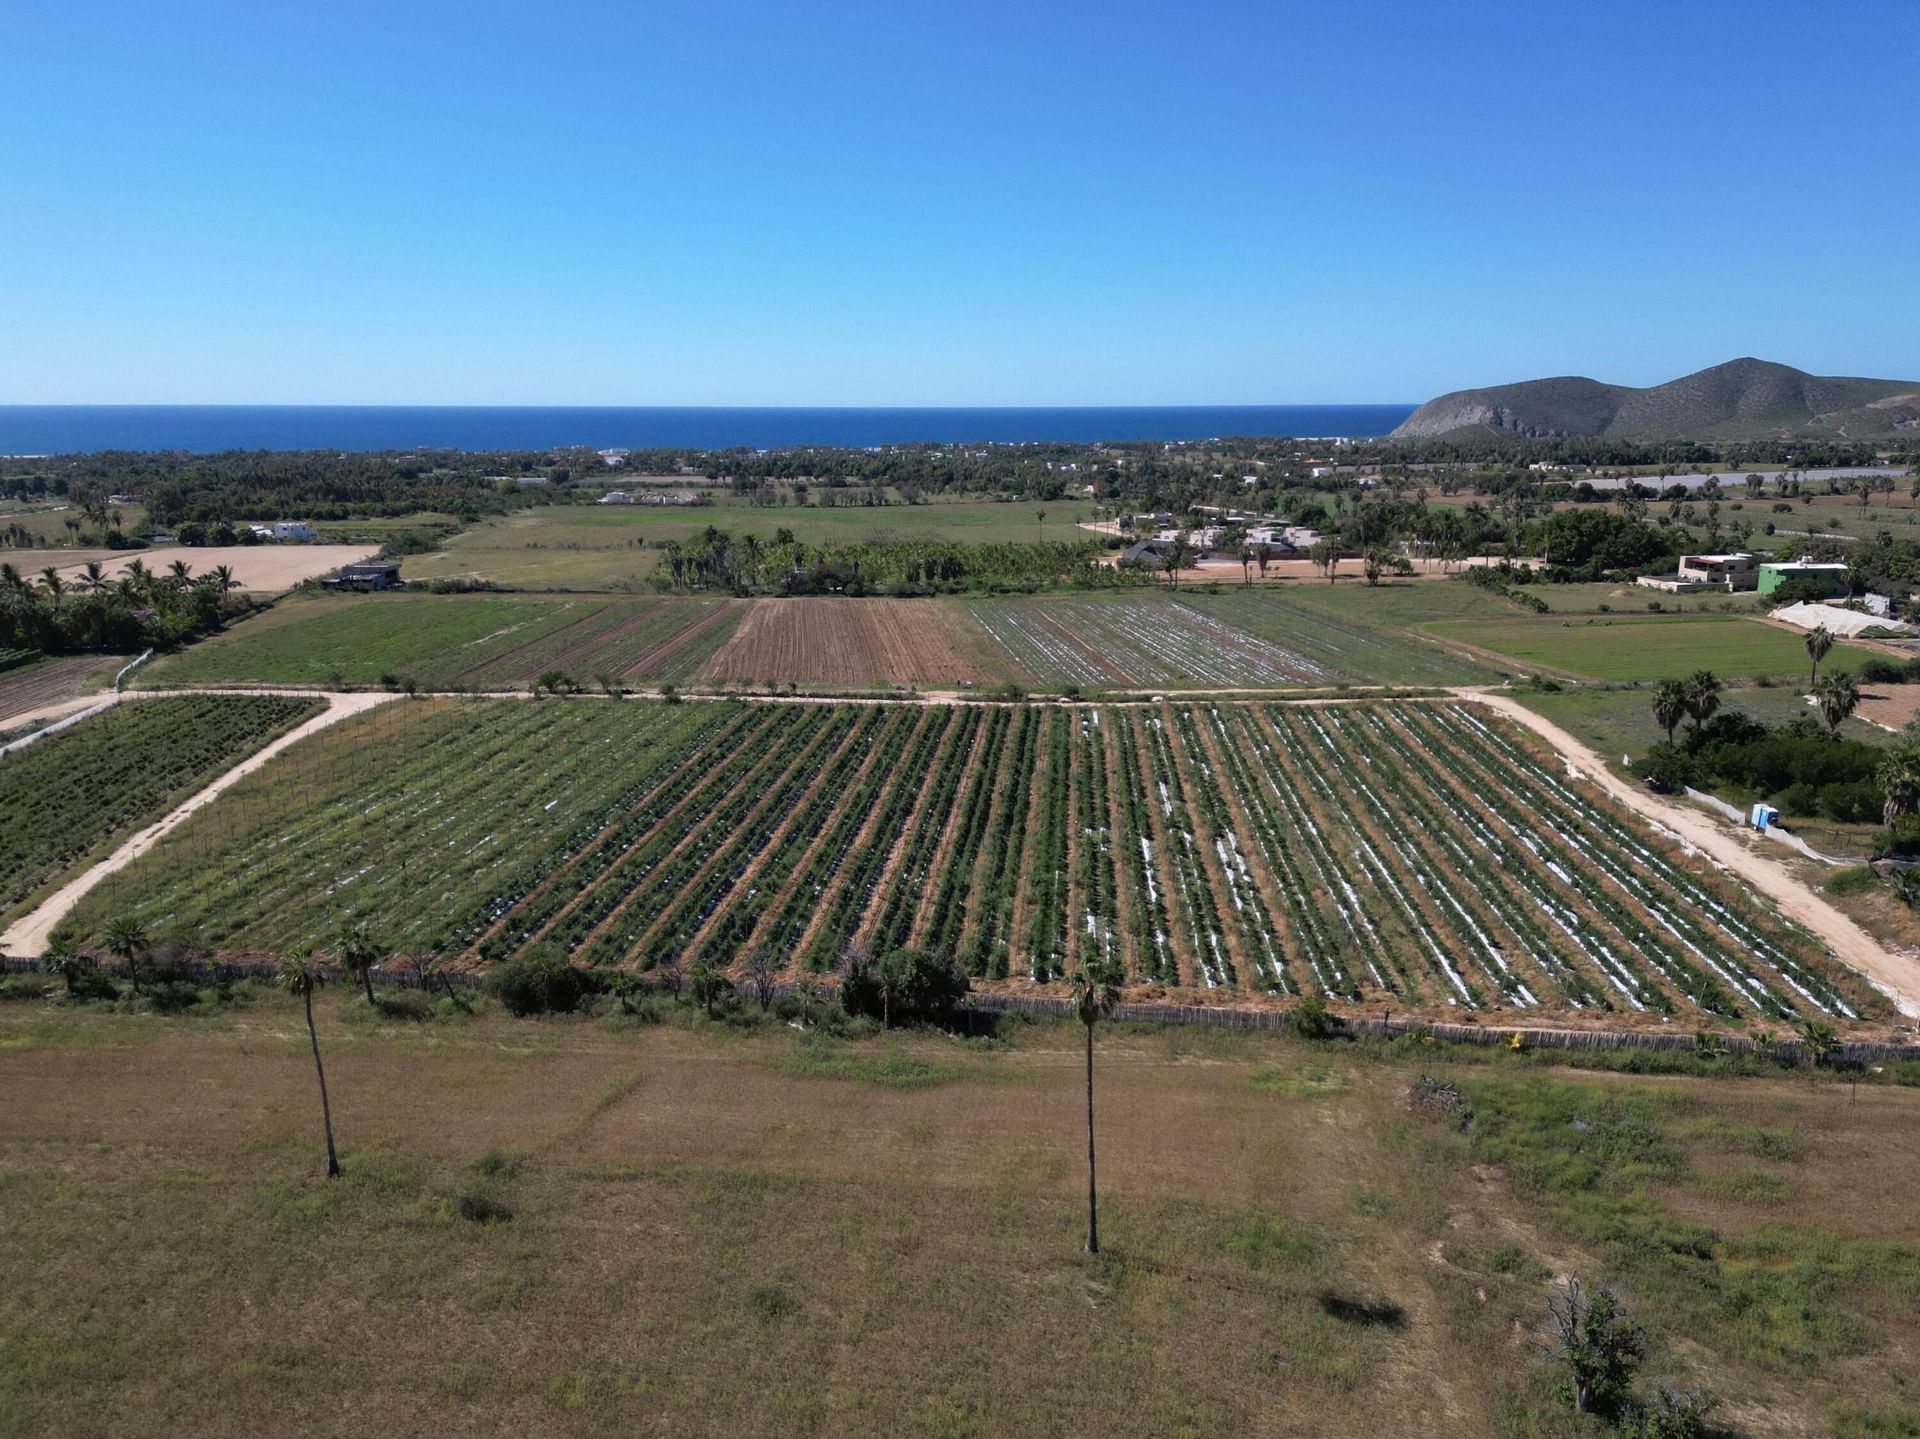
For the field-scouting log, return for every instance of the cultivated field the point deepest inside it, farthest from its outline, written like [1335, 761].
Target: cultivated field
[37, 687]
[681, 1230]
[68, 797]
[1644, 647]
[852, 643]
[1415, 854]
[267, 569]
[440, 640]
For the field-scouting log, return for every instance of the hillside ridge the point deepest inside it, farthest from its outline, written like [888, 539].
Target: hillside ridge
[1743, 399]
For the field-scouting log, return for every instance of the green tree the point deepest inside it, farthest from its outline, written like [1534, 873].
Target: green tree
[127, 941]
[710, 986]
[358, 954]
[1899, 777]
[63, 959]
[1703, 698]
[1596, 1345]
[1819, 640]
[1669, 706]
[1093, 988]
[1836, 696]
[300, 976]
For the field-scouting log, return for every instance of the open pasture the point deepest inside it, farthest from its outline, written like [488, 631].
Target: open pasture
[1415, 854]
[615, 547]
[1644, 647]
[590, 1228]
[67, 797]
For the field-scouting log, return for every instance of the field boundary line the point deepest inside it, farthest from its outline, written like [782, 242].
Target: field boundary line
[31, 934]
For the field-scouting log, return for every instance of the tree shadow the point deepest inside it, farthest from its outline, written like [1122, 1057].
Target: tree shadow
[1364, 1313]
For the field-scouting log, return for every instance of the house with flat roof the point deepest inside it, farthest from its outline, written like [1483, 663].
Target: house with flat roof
[1774, 575]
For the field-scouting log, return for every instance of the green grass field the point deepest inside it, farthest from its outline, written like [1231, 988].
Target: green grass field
[614, 547]
[1620, 721]
[1643, 647]
[586, 1227]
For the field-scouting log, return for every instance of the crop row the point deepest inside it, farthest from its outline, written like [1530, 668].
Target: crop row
[1411, 853]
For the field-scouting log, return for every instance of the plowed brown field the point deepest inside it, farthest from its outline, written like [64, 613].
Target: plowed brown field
[27, 691]
[853, 643]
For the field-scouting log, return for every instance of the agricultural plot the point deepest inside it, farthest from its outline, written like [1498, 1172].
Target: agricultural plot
[1645, 647]
[69, 795]
[28, 688]
[851, 643]
[1414, 854]
[1096, 641]
[465, 640]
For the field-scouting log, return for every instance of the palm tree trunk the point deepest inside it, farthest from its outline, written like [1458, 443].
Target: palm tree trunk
[1093, 1212]
[366, 979]
[326, 1110]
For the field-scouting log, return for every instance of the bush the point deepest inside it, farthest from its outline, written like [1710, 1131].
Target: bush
[541, 982]
[1310, 1019]
[907, 986]
[1857, 880]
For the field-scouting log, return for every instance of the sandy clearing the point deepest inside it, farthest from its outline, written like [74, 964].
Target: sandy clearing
[1892, 707]
[30, 934]
[1896, 975]
[261, 568]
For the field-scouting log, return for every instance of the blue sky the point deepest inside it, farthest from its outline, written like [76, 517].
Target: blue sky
[1084, 202]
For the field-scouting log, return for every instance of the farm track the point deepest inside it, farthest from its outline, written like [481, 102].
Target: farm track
[1407, 850]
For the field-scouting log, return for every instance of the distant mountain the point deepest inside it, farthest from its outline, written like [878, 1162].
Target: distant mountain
[1741, 400]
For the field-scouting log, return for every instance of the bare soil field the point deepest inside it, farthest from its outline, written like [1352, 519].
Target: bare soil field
[843, 643]
[27, 692]
[261, 568]
[1892, 707]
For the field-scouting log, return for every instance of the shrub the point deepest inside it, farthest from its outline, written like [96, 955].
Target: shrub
[1310, 1019]
[479, 1207]
[1857, 880]
[540, 982]
[906, 986]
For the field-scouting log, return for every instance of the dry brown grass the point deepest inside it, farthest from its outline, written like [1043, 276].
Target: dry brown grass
[718, 1232]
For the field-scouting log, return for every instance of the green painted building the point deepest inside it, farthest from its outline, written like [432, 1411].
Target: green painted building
[1773, 576]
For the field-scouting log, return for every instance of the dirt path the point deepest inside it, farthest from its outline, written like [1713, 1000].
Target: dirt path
[29, 934]
[1894, 974]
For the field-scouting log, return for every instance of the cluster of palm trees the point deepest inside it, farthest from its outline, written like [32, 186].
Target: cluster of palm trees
[90, 608]
[1695, 698]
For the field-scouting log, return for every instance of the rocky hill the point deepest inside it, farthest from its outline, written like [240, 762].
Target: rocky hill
[1744, 399]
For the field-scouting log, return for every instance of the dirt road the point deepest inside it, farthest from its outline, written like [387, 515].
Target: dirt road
[30, 934]
[1897, 976]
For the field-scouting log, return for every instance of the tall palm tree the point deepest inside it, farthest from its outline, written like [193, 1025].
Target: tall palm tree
[1836, 696]
[93, 576]
[223, 580]
[1703, 698]
[300, 976]
[1819, 641]
[55, 587]
[1669, 706]
[358, 954]
[181, 575]
[1093, 988]
[127, 941]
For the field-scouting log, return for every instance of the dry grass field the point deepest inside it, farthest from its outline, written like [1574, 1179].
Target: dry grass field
[570, 1227]
[267, 569]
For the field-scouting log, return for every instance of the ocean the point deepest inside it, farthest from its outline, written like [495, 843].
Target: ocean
[63, 429]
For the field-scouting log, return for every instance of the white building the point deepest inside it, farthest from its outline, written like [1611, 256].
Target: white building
[294, 532]
[615, 497]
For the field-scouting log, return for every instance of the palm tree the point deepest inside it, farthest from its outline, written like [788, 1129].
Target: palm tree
[1899, 777]
[181, 575]
[1819, 641]
[55, 587]
[300, 976]
[127, 941]
[1702, 690]
[1093, 989]
[93, 576]
[223, 580]
[1669, 706]
[358, 954]
[63, 958]
[1836, 696]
